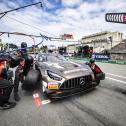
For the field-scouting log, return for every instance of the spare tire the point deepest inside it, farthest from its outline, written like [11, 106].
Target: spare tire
[32, 80]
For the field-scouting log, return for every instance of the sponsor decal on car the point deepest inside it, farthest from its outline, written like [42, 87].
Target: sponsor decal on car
[55, 65]
[53, 86]
[76, 70]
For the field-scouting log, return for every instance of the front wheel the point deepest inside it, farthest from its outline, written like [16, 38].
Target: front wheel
[32, 80]
[97, 82]
[43, 92]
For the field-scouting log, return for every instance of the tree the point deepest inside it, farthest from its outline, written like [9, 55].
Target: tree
[13, 46]
[44, 48]
[2, 46]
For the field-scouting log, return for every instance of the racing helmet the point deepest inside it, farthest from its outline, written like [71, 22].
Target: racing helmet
[92, 61]
[23, 45]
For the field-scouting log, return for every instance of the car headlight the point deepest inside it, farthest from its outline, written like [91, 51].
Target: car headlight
[54, 76]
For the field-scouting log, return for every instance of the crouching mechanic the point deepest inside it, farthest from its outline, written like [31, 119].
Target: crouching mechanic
[94, 67]
[19, 77]
[6, 87]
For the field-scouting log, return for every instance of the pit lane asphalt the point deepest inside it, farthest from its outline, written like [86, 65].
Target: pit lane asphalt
[103, 106]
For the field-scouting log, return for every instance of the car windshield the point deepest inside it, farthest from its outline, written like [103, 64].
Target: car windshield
[51, 58]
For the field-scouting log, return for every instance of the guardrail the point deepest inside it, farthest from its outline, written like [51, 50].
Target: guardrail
[114, 62]
[32, 53]
[122, 62]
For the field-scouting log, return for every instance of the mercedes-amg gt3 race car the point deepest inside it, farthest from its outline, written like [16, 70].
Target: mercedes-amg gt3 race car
[60, 77]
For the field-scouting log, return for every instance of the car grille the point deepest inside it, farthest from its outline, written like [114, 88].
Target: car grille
[77, 82]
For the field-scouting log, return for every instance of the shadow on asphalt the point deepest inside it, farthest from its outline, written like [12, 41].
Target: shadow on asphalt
[120, 90]
[115, 88]
[59, 100]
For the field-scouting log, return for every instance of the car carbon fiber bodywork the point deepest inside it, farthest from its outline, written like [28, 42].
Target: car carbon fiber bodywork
[61, 77]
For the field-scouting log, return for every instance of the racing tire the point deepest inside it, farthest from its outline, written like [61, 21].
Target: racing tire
[97, 82]
[43, 93]
[32, 80]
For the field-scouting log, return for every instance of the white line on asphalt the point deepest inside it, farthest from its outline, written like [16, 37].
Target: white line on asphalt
[47, 101]
[116, 80]
[116, 75]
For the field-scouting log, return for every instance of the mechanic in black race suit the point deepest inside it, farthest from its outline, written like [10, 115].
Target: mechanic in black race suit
[23, 68]
[19, 77]
[6, 86]
[28, 59]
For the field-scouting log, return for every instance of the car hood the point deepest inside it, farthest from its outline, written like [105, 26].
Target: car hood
[67, 69]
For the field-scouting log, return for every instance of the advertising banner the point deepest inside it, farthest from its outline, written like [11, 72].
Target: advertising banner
[100, 56]
[116, 17]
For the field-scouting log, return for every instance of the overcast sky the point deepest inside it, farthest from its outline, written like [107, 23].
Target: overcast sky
[56, 17]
